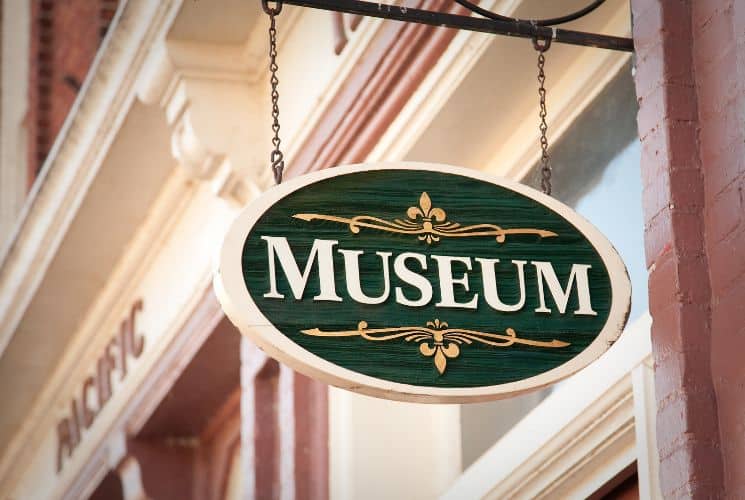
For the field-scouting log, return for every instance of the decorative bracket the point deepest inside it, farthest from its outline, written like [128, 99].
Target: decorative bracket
[208, 95]
[492, 23]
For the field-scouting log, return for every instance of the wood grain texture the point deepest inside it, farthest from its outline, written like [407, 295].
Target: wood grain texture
[479, 371]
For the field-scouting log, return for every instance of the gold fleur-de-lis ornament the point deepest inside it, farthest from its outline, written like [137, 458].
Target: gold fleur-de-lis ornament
[428, 223]
[428, 213]
[438, 349]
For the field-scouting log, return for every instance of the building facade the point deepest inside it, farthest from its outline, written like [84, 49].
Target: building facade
[133, 132]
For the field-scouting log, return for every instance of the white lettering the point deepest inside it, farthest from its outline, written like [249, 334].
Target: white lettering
[488, 276]
[352, 266]
[410, 277]
[578, 274]
[322, 249]
[321, 256]
[447, 282]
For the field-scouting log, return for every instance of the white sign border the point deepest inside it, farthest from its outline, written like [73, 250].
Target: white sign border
[240, 308]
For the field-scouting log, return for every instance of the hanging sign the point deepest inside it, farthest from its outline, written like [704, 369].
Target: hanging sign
[422, 282]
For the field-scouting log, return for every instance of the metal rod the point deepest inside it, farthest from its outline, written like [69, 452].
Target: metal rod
[509, 28]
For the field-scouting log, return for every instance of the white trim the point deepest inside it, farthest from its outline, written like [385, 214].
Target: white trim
[645, 414]
[14, 75]
[575, 441]
[246, 315]
[76, 156]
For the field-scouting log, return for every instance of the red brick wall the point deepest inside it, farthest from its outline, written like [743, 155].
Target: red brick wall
[690, 83]
[719, 63]
[65, 35]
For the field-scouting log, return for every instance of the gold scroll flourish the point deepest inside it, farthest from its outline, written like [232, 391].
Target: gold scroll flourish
[436, 339]
[428, 223]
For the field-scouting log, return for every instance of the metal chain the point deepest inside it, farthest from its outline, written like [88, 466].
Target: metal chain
[542, 46]
[276, 158]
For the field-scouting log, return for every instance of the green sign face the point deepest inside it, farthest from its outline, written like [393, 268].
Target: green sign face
[422, 282]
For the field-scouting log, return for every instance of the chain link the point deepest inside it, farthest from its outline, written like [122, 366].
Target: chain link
[276, 157]
[543, 127]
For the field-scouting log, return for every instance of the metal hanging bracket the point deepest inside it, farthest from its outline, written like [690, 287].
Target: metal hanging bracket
[491, 23]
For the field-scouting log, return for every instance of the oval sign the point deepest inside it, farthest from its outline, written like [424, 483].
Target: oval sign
[422, 282]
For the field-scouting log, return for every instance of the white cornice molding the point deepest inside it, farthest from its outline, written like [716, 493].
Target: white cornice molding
[206, 94]
[113, 82]
[90, 128]
[76, 156]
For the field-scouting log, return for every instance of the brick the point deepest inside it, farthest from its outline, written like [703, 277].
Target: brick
[688, 235]
[694, 411]
[650, 72]
[681, 470]
[658, 236]
[714, 33]
[648, 29]
[731, 419]
[643, 8]
[717, 84]
[648, 25]
[678, 60]
[674, 230]
[726, 264]
[718, 134]
[724, 168]
[704, 13]
[64, 40]
[668, 62]
[669, 102]
[678, 281]
[655, 157]
[678, 375]
[663, 289]
[679, 329]
[676, 18]
[732, 430]
[656, 196]
[675, 147]
[651, 112]
[728, 313]
[724, 213]
[729, 379]
[686, 190]
[107, 14]
[693, 281]
[737, 490]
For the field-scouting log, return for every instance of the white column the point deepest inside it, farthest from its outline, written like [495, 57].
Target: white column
[647, 461]
[387, 449]
[14, 78]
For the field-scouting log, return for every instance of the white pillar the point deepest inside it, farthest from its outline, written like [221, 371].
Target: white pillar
[388, 449]
[648, 459]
